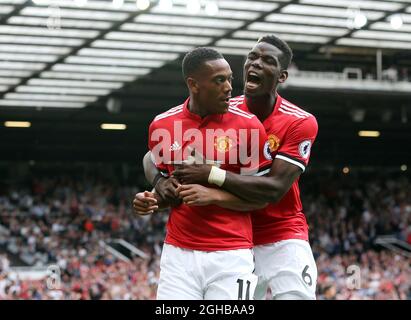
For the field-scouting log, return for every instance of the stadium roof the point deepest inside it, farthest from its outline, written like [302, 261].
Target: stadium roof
[73, 53]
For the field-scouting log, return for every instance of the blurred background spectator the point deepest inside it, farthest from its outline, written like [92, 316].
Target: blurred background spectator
[61, 220]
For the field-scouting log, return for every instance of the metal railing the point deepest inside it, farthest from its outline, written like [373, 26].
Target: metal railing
[349, 79]
[392, 243]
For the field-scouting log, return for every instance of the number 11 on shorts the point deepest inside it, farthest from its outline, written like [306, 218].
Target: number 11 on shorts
[240, 289]
[246, 287]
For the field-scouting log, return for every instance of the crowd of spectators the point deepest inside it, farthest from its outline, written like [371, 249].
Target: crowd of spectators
[346, 214]
[382, 275]
[87, 279]
[63, 221]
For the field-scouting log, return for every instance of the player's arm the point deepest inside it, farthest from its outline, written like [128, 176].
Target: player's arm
[147, 202]
[255, 188]
[268, 188]
[150, 170]
[195, 195]
[285, 169]
[156, 172]
[198, 195]
[164, 186]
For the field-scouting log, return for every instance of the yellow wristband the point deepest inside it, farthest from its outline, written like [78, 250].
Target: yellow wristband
[216, 176]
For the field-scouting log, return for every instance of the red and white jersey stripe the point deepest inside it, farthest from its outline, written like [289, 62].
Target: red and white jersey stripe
[291, 109]
[170, 112]
[240, 112]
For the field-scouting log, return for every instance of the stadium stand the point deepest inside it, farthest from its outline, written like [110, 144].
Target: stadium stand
[61, 221]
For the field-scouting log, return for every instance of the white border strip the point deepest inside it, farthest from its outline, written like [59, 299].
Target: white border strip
[298, 164]
[261, 173]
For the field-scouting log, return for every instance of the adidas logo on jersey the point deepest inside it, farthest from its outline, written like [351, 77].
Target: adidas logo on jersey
[175, 146]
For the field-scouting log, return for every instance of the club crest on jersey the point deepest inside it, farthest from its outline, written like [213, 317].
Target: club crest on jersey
[304, 148]
[223, 144]
[273, 142]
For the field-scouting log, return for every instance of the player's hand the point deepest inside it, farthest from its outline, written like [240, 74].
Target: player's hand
[194, 173]
[166, 188]
[196, 195]
[144, 203]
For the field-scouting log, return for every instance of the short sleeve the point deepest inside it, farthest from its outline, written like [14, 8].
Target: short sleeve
[154, 145]
[299, 139]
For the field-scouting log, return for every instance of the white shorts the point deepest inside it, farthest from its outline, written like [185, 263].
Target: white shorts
[286, 267]
[201, 275]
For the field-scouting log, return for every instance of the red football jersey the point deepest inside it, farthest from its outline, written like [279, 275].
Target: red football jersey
[291, 132]
[209, 228]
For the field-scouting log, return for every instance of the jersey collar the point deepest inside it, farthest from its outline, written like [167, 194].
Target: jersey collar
[278, 101]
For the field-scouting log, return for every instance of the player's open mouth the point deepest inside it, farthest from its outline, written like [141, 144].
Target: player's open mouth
[227, 99]
[253, 80]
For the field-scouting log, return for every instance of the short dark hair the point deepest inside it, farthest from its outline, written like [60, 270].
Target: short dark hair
[285, 58]
[196, 57]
